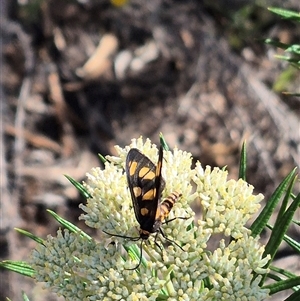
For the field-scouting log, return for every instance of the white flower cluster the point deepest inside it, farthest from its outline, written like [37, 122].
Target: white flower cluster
[82, 269]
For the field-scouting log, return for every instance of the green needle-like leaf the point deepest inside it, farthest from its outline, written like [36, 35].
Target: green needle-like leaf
[291, 242]
[79, 187]
[277, 43]
[260, 223]
[286, 199]
[280, 229]
[282, 272]
[283, 285]
[30, 235]
[243, 163]
[291, 60]
[20, 267]
[286, 14]
[102, 158]
[163, 142]
[295, 48]
[68, 225]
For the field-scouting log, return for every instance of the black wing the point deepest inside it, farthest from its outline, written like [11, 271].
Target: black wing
[145, 184]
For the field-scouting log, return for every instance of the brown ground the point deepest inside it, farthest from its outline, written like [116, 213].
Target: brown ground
[79, 78]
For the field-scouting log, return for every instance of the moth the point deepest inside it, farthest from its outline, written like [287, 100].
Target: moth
[146, 185]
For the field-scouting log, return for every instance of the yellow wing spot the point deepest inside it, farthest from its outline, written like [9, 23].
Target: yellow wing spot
[149, 195]
[146, 173]
[137, 191]
[132, 167]
[144, 211]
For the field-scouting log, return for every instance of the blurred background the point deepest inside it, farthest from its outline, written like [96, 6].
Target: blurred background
[78, 77]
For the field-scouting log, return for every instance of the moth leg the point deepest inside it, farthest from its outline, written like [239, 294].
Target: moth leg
[140, 259]
[169, 240]
[173, 219]
[160, 247]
